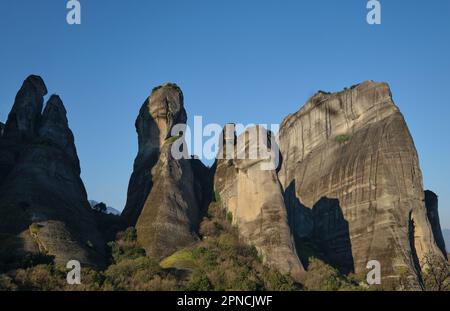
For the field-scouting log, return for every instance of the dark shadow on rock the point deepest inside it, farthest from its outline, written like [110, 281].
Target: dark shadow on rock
[301, 223]
[141, 180]
[331, 234]
[321, 232]
[431, 204]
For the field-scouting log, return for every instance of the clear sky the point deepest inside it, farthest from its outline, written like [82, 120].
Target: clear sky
[247, 61]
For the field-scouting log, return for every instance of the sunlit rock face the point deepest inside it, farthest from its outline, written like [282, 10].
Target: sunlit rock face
[353, 186]
[252, 194]
[43, 202]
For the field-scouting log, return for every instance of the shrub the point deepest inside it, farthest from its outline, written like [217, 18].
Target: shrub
[41, 278]
[230, 217]
[323, 277]
[131, 274]
[342, 138]
[198, 282]
[34, 228]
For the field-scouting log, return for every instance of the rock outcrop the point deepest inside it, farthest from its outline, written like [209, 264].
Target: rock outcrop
[253, 195]
[431, 203]
[165, 201]
[43, 202]
[2, 127]
[353, 186]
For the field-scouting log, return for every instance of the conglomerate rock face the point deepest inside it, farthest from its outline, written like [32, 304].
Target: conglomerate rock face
[352, 182]
[165, 200]
[249, 189]
[43, 202]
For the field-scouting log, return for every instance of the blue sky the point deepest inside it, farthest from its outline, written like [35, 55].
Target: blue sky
[243, 61]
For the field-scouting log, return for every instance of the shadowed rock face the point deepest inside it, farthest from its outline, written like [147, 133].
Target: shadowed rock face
[431, 203]
[253, 196]
[2, 127]
[354, 147]
[41, 183]
[163, 109]
[165, 201]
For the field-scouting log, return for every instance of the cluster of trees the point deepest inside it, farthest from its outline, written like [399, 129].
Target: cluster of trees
[220, 261]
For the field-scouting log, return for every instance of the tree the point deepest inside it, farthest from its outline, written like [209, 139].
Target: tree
[436, 273]
[100, 207]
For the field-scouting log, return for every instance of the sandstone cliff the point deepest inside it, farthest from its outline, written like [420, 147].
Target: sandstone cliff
[254, 198]
[43, 202]
[352, 182]
[165, 201]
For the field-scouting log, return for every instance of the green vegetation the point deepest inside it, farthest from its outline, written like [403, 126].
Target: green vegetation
[34, 228]
[230, 217]
[172, 139]
[216, 196]
[343, 138]
[323, 277]
[219, 261]
[183, 259]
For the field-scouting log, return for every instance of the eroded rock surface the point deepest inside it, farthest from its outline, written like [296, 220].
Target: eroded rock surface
[353, 183]
[163, 109]
[165, 201]
[43, 202]
[253, 196]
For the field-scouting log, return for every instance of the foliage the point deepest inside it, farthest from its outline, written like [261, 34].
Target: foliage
[436, 273]
[100, 207]
[323, 277]
[343, 138]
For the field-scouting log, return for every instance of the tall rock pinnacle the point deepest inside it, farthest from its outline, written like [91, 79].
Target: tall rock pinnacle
[162, 199]
[43, 202]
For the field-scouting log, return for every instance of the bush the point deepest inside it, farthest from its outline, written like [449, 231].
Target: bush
[40, 278]
[198, 282]
[126, 246]
[342, 138]
[323, 277]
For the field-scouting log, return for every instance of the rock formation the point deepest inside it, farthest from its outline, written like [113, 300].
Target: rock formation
[253, 196]
[353, 186]
[431, 203]
[165, 201]
[2, 127]
[43, 202]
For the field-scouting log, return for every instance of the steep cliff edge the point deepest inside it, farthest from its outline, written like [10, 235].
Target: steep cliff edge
[165, 201]
[252, 195]
[43, 202]
[353, 186]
